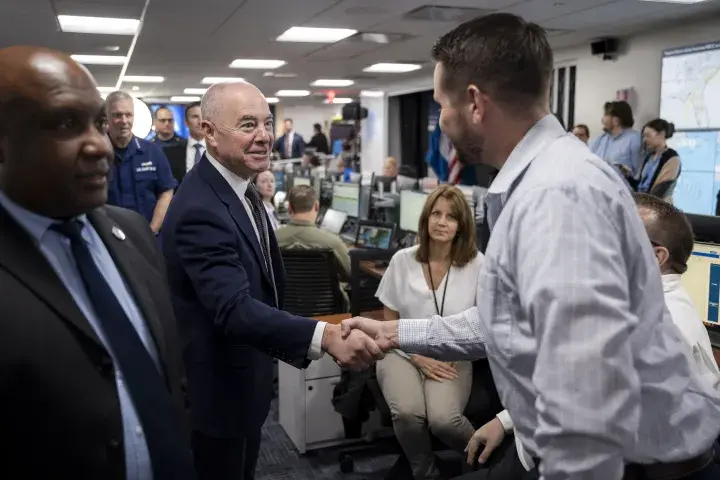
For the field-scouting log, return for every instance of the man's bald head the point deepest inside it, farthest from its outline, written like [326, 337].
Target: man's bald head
[54, 148]
[238, 127]
[668, 228]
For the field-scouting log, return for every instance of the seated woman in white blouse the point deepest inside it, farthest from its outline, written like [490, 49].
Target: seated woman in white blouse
[436, 277]
[265, 184]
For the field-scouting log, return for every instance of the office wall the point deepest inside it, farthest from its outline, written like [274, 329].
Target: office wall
[305, 116]
[637, 66]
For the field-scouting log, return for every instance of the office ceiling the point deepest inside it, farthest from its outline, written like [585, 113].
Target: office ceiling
[185, 41]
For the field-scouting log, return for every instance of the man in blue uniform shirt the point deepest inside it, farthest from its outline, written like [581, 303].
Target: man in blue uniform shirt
[141, 179]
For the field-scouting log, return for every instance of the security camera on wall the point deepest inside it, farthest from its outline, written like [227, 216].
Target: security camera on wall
[606, 48]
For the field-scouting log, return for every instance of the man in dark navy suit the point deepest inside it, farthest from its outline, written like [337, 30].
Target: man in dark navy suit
[227, 278]
[290, 145]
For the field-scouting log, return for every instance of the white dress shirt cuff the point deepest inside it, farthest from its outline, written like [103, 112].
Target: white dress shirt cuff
[506, 421]
[315, 351]
[412, 334]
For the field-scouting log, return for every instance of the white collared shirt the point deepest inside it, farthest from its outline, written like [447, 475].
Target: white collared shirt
[190, 152]
[239, 186]
[685, 316]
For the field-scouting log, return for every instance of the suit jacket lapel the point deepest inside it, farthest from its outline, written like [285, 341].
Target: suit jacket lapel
[21, 257]
[237, 210]
[136, 272]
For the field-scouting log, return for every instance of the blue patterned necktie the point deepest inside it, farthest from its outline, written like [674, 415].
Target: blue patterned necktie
[258, 211]
[198, 152]
[161, 417]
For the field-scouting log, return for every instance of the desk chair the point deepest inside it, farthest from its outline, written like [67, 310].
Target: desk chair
[483, 405]
[362, 285]
[311, 282]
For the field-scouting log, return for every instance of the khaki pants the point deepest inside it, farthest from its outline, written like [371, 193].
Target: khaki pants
[419, 406]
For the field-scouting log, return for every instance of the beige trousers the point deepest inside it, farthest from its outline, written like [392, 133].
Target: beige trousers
[420, 406]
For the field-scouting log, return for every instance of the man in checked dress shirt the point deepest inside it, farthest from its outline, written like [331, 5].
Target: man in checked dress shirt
[570, 308]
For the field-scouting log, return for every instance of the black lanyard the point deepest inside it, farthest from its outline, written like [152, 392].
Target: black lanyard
[440, 309]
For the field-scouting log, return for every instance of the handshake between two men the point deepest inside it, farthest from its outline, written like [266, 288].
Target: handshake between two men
[359, 342]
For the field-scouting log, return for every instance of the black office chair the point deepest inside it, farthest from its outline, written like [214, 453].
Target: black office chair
[363, 285]
[311, 282]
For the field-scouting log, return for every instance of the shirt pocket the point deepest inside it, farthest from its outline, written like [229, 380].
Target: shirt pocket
[147, 182]
[498, 309]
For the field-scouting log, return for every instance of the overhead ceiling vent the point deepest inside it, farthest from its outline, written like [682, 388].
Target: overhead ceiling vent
[437, 13]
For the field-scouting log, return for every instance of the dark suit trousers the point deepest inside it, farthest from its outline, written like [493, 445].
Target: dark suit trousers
[503, 464]
[225, 458]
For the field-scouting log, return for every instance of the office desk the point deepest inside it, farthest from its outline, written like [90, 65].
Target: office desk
[369, 267]
[305, 409]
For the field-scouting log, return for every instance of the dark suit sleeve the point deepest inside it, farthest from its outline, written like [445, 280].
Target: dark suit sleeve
[301, 146]
[207, 248]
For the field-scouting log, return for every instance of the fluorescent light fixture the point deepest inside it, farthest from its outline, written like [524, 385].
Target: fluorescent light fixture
[340, 100]
[195, 91]
[272, 99]
[327, 82]
[371, 93]
[142, 79]
[106, 89]
[292, 93]
[183, 98]
[256, 63]
[214, 80]
[135, 88]
[392, 68]
[99, 59]
[101, 25]
[315, 35]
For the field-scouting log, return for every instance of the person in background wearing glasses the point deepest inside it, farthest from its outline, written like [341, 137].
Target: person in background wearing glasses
[672, 239]
[436, 277]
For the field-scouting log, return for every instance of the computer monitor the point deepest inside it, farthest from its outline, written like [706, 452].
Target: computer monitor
[279, 181]
[385, 181]
[333, 220]
[297, 181]
[346, 198]
[411, 206]
[702, 282]
[375, 235]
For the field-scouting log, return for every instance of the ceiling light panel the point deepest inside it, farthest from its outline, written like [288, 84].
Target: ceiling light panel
[326, 82]
[213, 80]
[371, 93]
[183, 98]
[255, 63]
[392, 68]
[99, 59]
[315, 35]
[106, 89]
[339, 100]
[99, 25]
[272, 99]
[143, 79]
[292, 93]
[195, 91]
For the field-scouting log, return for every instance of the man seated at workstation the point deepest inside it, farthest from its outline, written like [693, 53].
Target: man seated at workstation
[302, 232]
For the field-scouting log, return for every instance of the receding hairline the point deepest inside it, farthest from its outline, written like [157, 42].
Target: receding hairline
[213, 101]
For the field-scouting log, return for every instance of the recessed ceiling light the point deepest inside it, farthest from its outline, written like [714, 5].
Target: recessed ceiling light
[392, 67]
[292, 93]
[136, 88]
[112, 48]
[195, 91]
[272, 99]
[183, 98]
[106, 89]
[143, 79]
[99, 59]
[372, 93]
[339, 100]
[315, 35]
[101, 25]
[213, 80]
[256, 63]
[327, 82]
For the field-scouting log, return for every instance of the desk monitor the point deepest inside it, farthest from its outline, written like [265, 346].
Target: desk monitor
[297, 181]
[411, 206]
[346, 198]
[702, 282]
[385, 181]
[375, 235]
[333, 220]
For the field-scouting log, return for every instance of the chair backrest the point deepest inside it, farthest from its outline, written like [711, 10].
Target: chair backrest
[312, 286]
[363, 285]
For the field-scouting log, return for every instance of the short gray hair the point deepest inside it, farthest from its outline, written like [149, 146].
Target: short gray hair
[211, 102]
[117, 96]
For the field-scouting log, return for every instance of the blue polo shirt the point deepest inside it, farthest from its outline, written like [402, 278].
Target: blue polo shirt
[140, 174]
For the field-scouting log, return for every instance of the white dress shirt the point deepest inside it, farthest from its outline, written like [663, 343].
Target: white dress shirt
[239, 186]
[685, 316]
[190, 151]
[571, 315]
[270, 209]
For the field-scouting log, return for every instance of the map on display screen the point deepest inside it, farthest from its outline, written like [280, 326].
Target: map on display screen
[699, 182]
[690, 87]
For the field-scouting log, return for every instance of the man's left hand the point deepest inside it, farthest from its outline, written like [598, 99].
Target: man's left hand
[356, 351]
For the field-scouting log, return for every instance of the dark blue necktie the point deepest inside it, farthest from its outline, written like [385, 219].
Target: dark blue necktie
[161, 418]
[484, 230]
[198, 152]
[258, 211]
